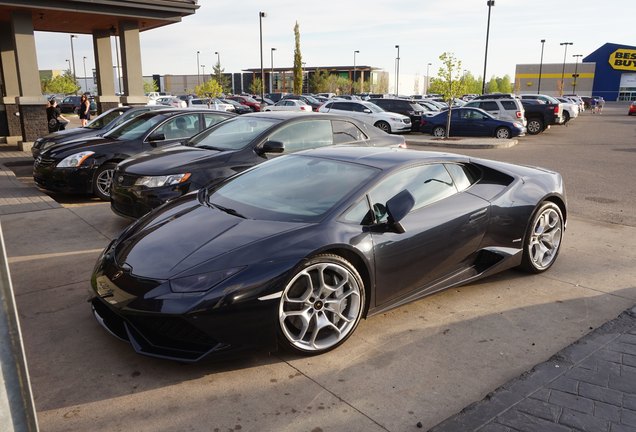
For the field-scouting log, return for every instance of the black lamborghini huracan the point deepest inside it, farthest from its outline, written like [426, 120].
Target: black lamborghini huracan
[295, 251]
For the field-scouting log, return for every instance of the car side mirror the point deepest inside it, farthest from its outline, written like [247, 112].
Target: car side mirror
[397, 208]
[157, 136]
[367, 110]
[272, 147]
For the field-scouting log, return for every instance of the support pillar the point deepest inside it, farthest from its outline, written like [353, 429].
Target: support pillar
[131, 64]
[11, 85]
[31, 103]
[104, 71]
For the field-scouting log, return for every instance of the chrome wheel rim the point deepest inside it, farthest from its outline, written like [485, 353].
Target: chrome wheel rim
[383, 126]
[438, 132]
[545, 239]
[104, 180]
[503, 133]
[320, 307]
[533, 126]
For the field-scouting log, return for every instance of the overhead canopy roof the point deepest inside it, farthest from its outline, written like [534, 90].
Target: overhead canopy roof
[83, 16]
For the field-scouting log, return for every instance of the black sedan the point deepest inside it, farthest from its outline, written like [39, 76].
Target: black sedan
[471, 122]
[149, 179]
[102, 124]
[87, 165]
[295, 251]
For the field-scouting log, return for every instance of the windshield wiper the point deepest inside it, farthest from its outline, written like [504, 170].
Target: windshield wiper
[228, 211]
[208, 147]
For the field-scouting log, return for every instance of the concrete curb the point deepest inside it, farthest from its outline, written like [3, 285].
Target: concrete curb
[467, 143]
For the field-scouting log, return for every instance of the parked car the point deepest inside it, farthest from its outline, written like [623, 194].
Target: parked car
[274, 97]
[503, 109]
[71, 104]
[239, 108]
[471, 122]
[496, 96]
[549, 100]
[309, 100]
[576, 99]
[411, 109]
[248, 101]
[294, 252]
[289, 105]
[147, 180]
[632, 109]
[86, 166]
[541, 116]
[212, 103]
[98, 126]
[171, 101]
[369, 113]
[570, 109]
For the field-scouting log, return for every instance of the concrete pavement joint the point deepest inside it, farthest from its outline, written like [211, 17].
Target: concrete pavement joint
[588, 288]
[89, 224]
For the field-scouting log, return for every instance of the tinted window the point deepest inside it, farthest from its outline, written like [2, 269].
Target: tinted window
[211, 119]
[233, 134]
[183, 126]
[344, 132]
[489, 106]
[135, 128]
[469, 114]
[104, 119]
[304, 135]
[509, 105]
[291, 188]
[463, 177]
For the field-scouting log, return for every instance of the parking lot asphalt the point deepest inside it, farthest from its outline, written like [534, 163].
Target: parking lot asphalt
[408, 369]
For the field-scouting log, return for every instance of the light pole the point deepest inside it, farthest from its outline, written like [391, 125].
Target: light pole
[203, 72]
[397, 71]
[73, 58]
[271, 75]
[262, 15]
[564, 56]
[218, 58]
[69, 64]
[85, 79]
[198, 69]
[540, 67]
[354, 70]
[490, 4]
[576, 70]
[302, 69]
[427, 79]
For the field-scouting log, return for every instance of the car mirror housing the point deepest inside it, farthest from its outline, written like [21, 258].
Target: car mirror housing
[157, 137]
[367, 110]
[273, 147]
[397, 208]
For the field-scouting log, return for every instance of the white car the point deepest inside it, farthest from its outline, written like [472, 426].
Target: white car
[289, 105]
[212, 103]
[570, 108]
[370, 114]
[170, 101]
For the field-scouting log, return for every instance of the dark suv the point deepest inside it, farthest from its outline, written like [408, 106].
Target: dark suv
[71, 104]
[402, 106]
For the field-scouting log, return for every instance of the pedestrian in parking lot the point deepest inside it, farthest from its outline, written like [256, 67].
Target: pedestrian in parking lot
[56, 121]
[599, 105]
[84, 110]
[593, 105]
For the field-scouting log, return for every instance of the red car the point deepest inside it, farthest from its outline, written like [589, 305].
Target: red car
[246, 100]
[632, 109]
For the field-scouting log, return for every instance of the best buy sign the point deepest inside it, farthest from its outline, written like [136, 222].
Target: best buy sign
[623, 59]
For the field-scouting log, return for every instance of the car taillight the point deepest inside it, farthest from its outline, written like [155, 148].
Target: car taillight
[519, 114]
[556, 109]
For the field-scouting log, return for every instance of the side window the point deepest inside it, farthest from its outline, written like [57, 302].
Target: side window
[340, 106]
[463, 176]
[509, 105]
[211, 119]
[344, 132]
[489, 106]
[356, 107]
[427, 184]
[359, 213]
[183, 126]
[304, 135]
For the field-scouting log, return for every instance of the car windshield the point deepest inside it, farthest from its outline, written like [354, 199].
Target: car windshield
[135, 128]
[291, 188]
[551, 99]
[102, 120]
[233, 134]
[249, 99]
[373, 107]
[312, 99]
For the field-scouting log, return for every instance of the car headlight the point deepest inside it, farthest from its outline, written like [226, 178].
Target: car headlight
[158, 181]
[202, 282]
[75, 160]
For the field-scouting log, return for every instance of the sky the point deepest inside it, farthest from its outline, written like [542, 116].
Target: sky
[330, 32]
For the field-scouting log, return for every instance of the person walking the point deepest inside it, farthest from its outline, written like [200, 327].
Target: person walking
[593, 103]
[84, 110]
[599, 105]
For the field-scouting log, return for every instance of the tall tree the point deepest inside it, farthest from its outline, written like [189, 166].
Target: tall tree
[451, 85]
[257, 86]
[220, 78]
[298, 63]
[210, 88]
[492, 86]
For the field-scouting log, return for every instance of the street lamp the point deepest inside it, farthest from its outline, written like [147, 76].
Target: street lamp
[576, 70]
[490, 4]
[427, 79]
[85, 79]
[540, 67]
[198, 69]
[354, 70]
[262, 15]
[564, 56]
[73, 57]
[218, 59]
[69, 64]
[271, 75]
[397, 71]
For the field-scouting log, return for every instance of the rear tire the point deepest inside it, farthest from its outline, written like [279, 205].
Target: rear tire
[535, 126]
[103, 180]
[439, 131]
[566, 116]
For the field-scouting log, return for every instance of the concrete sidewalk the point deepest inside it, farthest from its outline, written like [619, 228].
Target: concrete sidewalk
[414, 140]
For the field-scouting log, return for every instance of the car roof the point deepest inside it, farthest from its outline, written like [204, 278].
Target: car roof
[384, 158]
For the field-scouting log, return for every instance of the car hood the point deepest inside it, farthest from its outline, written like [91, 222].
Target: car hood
[167, 160]
[81, 144]
[185, 234]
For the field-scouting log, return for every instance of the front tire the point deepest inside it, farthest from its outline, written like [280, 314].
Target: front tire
[384, 126]
[543, 240]
[534, 127]
[321, 305]
[439, 131]
[103, 180]
[502, 133]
